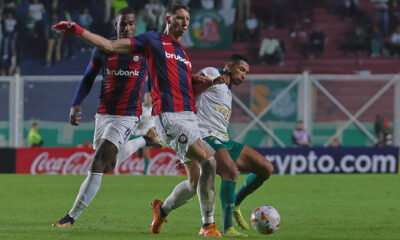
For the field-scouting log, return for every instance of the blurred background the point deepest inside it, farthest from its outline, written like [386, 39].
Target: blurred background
[330, 68]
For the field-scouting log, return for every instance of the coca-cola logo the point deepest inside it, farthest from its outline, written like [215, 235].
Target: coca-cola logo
[164, 163]
[77, 163]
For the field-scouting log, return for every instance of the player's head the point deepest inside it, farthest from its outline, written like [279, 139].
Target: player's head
[35, 125]
[300, 124]
[125, 23]
[237, 66]
[177, 18]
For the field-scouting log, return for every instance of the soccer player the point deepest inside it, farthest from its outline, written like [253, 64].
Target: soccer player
[117, 115]
[214, 104]
[174, 107]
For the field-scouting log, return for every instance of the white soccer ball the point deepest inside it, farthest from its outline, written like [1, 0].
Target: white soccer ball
[265, 219]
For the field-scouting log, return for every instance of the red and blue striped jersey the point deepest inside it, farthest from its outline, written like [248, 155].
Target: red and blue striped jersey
[170, 70]
[122, 83]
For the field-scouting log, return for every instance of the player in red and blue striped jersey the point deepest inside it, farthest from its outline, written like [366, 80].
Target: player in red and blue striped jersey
[174, 105]
[118, 113]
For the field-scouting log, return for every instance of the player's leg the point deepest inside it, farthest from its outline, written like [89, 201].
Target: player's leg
[250, 161]
[146, 157]
[228, 171]
[109, 134]
[150, 139]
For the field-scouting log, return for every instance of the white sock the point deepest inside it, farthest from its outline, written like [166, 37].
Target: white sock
[129, 148]
[206, 190]
[88, 190]
[182, 193]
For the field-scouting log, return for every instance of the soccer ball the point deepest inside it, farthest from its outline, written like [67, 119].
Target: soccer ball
[265, 219]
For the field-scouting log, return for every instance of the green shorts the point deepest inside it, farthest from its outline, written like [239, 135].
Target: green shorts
[234, 148]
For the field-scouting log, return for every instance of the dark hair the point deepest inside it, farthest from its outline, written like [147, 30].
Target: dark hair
[236, 58]
[125, 10]
[34, 124]
[174, 6]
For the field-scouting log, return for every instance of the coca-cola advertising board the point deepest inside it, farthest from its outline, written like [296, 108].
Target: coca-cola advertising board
[77, 161]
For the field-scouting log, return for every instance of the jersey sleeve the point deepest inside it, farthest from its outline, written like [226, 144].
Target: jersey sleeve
[139, 42]
[88, 78]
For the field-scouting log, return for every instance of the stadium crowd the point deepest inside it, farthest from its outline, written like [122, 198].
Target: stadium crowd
[26, 34]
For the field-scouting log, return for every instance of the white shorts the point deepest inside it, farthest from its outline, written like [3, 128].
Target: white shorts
[114, 128]
[179, 130]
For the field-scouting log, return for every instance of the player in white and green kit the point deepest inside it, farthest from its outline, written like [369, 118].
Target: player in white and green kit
[214, 106]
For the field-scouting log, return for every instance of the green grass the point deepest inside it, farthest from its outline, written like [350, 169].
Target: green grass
[320, 207]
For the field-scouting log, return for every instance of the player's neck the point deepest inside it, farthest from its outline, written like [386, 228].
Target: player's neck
[170, 34]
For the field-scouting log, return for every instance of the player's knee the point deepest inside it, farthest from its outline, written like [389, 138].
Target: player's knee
[228, 173]
[268, 168]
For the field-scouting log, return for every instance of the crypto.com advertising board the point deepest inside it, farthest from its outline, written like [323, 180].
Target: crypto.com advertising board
[164, 161]
[333, 159]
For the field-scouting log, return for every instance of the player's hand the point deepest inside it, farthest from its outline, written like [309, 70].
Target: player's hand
[75, 115]
[198, 78]
[222, 79]
[68, 27]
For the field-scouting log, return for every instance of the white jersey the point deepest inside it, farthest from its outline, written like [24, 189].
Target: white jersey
[214, 107]
[146, 121]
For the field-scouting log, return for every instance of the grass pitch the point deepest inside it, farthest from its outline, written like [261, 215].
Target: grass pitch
[320, 207]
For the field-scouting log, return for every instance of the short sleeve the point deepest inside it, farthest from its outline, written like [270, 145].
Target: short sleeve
[139, 42]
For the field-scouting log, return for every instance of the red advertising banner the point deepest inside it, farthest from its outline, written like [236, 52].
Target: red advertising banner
[77, 161]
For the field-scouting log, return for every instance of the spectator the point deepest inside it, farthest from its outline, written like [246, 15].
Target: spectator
[316, 42]
[383, 131]
[86, 144]
[9, 34]
[357, 41]
[243, 8]
[395, 43]
[252, 29]
[154, 11]
[10, 43]
[298, 38]
[335, 143]
[277, 13]
[85, 20]
[37, 10]
[271, 50]
[376, 42]
[301, 136]
[31, 36]
[53, 41]
[34, 138]
[141, 23]
[382, 8]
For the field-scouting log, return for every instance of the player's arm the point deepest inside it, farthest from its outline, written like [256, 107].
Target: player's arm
[120, 46]
[206, 78]
[84, 87]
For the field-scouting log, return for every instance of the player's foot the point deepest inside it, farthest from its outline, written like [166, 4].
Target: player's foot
[232, 232]
[66, 221]
[153, 139]
[158, 219]
[237, 215]
[210, 231]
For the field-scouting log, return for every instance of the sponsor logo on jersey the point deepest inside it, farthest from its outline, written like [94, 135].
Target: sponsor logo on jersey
[182, 139]
[178, 58]
[121, 72]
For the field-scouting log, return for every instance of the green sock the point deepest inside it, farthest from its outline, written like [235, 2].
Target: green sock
[146, 165]
[227, 195]
[251, 183]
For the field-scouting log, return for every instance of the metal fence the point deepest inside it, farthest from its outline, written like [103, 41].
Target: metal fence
[268, 105]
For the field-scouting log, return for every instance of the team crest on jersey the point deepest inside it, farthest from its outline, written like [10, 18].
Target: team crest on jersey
[182, 139]
[135, 58]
